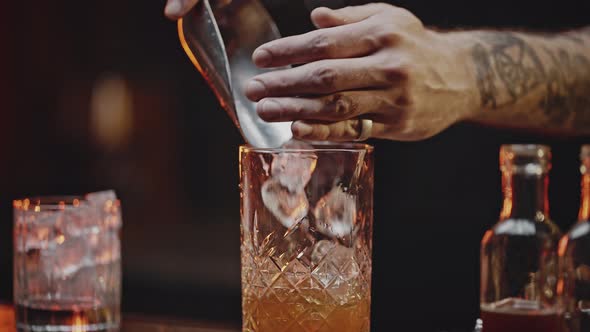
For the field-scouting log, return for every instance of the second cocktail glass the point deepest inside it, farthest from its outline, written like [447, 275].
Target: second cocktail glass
[67, 263]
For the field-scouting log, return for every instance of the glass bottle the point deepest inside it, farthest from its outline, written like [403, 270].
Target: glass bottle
[518, 254]
[574, 255]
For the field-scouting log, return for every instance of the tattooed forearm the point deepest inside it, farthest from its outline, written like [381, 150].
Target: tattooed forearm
[485, 76]
[568, 88]
[507, 68]
[554, 78]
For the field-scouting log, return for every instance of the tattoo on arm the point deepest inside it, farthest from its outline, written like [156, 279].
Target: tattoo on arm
[485, 76]
[508, 69]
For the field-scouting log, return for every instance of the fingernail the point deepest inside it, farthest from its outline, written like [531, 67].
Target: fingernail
[301, 129]
[255, 90]
[269, 109]
[173, 8]
[262, 58]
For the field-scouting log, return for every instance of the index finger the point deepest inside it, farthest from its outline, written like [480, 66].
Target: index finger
[346, 41]
[323, 17]
[176, 9]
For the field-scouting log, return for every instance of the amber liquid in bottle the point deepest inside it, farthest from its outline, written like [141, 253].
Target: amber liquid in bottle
[518, 255]
[574, 255]
[519, 322]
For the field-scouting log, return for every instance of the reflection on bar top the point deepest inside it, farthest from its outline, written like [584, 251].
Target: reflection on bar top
[131, 323]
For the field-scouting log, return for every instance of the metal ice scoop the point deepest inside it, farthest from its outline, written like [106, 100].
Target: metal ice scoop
[220, 42]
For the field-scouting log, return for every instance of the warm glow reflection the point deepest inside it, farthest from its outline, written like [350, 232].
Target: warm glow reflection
[108, 205]
[506, 208]
[60, 239]
[111, 114]
[79, 324]
[487, 236]
[76, 202]
[562, 246]
[37, 208]
[560, 287]
[507, 189]
[585, 204]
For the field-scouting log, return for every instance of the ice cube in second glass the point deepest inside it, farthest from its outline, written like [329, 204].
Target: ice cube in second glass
[101, 197]
[70, 255]
[109, 207]
[106, 248]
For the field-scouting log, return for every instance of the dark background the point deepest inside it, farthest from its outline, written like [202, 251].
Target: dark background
[99, 94]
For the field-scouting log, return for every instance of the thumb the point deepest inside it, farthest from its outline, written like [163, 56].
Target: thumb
[176, 9]
[323, 17]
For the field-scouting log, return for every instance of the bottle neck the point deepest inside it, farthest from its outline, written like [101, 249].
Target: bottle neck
[525, 196]
[584, 214]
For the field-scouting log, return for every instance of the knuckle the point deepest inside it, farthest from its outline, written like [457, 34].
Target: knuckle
[403, 72]
[403, 101]
[324, 77]
[395, 72]
[383, 35]
[371, 42]
[296, 107]
[322, 45]
[340, 106]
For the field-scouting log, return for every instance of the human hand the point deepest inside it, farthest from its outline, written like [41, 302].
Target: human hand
[176, 9]
[373, 62]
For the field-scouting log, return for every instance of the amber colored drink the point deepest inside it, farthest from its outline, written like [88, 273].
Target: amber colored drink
[52, 318]
[302, 312]
[533, 321]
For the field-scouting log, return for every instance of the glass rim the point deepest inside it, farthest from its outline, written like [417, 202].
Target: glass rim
[49, 202]
[53, 203]
[316, 147]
